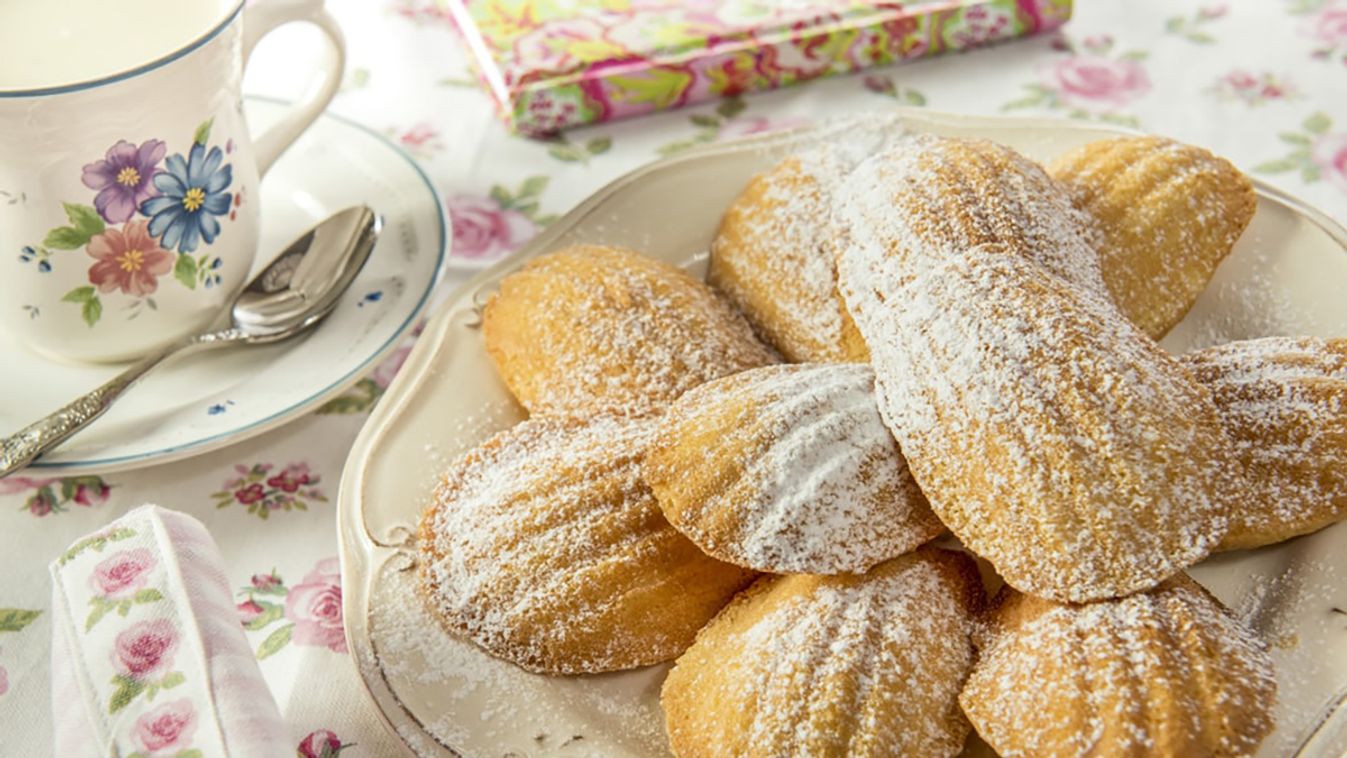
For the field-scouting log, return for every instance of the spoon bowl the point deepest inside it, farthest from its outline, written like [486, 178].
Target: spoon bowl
[294, 292]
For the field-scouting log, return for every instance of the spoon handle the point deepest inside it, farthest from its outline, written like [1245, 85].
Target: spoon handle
[19, 449]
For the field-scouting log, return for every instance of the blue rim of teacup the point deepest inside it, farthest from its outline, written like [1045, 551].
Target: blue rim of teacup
[207, 444]
[144, 68]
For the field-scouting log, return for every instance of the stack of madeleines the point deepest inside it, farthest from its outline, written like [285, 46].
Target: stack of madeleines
[904, 336]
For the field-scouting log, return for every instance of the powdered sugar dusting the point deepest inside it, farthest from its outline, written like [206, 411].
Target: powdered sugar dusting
[1165, 672]
[1051, 436]
[806, 665]
[774, 256]
[789, 469]
[545, 547]
[1283, 401]
[599, 329]
[479, 705]
[1167, 215]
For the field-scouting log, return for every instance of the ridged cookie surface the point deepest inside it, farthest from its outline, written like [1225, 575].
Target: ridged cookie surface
[788, 469]
[1050, 435]
[1283, 401]
[929, 192]
[1166, 213]
[544, 546]
[592, 329]
[864, 666]
[1168, 672]
[775, 253]
[773, 257]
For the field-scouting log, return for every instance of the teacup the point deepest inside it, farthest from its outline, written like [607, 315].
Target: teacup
[128, 177]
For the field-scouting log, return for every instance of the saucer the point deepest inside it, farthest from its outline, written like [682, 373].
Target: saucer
[203, 401]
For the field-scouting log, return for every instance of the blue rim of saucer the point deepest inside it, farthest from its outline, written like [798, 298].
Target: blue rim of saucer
[241, 433]
[144, 68]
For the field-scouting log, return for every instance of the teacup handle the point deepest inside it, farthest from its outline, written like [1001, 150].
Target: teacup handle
[261, 19]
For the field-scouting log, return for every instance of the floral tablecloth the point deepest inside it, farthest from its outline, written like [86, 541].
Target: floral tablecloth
[1263, 82]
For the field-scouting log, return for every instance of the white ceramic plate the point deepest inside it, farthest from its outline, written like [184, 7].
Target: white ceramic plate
[204, 401]
[443, 695]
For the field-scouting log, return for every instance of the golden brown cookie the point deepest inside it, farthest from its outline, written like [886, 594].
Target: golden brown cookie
[775, 253]
[1167, 214]
[1283, 401]
[788, 469]
[544, 546]
[1168, 672]
[864, 666]
[1050, 435]
[592, 329]
[773, 257]
[951, 194]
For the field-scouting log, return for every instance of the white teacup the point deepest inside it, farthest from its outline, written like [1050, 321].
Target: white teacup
[128, 178]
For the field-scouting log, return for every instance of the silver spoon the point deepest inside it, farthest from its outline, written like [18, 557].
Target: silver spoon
[294, 292]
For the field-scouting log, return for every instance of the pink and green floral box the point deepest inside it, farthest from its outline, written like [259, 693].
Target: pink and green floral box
[553, 64]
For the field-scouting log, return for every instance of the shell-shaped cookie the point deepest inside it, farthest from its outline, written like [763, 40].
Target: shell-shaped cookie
[863, 666]
[1283, 401]
[773, 257]
[592, 329]
[544, 546]
[788, 469]
[926, 191]
[1168, 672]
[1166, 214]
[1050, 435]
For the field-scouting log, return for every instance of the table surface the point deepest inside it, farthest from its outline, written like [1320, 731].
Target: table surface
[1263, 82]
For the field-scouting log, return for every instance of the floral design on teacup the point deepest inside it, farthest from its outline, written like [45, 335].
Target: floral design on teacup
[152, 212]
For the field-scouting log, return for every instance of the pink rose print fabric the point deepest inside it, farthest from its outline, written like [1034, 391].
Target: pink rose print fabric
[166, 730]
[171, 672]
[1330, 155]
[122, 574]
[1092, 81]
[308, 613]
[314, 606]
[484, 231]
[45, 496]
[321, 743]
[263, 489]
[1327, 29]
[118, 582]
[145, 650]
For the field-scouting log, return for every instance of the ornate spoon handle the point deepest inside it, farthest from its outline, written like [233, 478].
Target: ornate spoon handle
[18, 450]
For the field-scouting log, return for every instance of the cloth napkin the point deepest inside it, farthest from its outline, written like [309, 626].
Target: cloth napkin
[149, 659]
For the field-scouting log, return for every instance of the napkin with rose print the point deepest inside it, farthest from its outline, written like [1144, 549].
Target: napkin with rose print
[148, 657]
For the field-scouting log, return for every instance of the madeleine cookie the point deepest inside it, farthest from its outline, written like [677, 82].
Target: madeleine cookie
[773, 257]
[864, 666]
[1168, 672]
[1051, 436]
[788, 469]
[775, 253]
[1284, 404]
[592, 329]
[952, 194]
[1166, 213]
[544, 546]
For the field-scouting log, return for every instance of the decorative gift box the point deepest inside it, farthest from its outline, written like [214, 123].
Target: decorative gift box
[552, 64]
